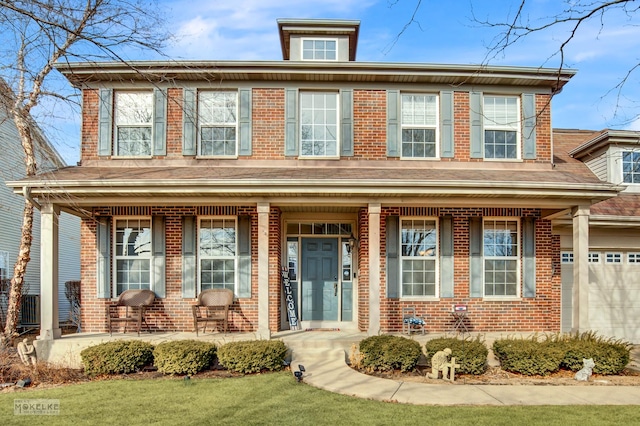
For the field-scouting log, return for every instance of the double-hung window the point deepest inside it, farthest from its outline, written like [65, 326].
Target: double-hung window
[132, 254]
[419, 126]
[630, 167]
[419, 245]
[218, 123]
[217, 249]
[134, 123]
[319, 50]
[4, 264]
[501, 259]
[501, 116]
[319, 125]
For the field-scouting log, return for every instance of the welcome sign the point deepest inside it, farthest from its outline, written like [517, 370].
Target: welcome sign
[289, 301]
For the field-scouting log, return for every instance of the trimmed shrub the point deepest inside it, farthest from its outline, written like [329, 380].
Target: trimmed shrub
[386, 353]
[471, 354]
[610, 356]
[121, 356]
[528, 356]
[252, 356]
[184, 356]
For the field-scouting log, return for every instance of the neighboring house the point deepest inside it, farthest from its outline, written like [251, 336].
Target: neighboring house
[12, 167]
[377, 185]
[614, 235]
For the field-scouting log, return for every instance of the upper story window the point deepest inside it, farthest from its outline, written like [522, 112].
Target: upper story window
[217, 123]
[419, 126]
[132, 254]
[419, 243]
[4, 265]
[501, 260]
[217, 249]
[501, 116]
[133, 123]
[631, 167]
[319, 50]
[319, 124]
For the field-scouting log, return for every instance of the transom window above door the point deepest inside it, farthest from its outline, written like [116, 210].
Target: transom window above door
[319, 124]
[217, 123]
[133, 123]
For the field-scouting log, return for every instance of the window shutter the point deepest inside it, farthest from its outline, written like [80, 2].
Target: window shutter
[529, 126]
[475, 257]
[291, 122]
[244, 256]
[189, 247]
[244, 122]
[393, 123]
[160, 122]
[446, 124]
[159, 262]
[475, 111]
[446, 256]
[529, 256]
[189, 120]
[103, 241]
[393, 261]
[105, 120]
[346, 120]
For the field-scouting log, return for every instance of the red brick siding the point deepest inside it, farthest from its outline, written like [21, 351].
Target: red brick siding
[89, 132]
[174, 123]
[370, 124]
[268, 124]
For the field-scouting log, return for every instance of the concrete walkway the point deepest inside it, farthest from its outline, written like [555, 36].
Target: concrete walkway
[326, 368]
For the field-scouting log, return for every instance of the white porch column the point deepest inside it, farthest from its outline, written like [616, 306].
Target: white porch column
[49, 324]
[263, 271]
[580, 296]
[374, 269]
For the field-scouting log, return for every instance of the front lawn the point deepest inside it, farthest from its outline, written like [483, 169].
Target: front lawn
[273, 398]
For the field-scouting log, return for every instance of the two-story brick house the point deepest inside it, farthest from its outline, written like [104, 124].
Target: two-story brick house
[376, 185]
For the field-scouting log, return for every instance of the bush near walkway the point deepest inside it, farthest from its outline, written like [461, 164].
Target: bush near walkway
[471, 354]
[121, 356]
[387, 352]
[253, 356]
[184, 356]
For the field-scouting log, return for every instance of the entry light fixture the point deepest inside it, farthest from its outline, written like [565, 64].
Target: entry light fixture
[353, 243]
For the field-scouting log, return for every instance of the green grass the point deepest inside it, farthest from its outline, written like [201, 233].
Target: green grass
[273, 398]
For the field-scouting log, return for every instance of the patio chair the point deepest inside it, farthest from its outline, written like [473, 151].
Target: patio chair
[213, 306]
[410, 321]
[130, 309]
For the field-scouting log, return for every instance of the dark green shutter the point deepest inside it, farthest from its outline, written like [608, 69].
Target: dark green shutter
[291, 122]
[477, 125]
[103, 273]
[189, 122]
[446, 124]
[244, 122]
[393, 260]
[105, 122]
[346, 122]
[529, 126]
[160, 122]
[475, 257]
[446, 256]
[189, 248]
[529, 256]
[244, 256]
[159, 257]
[393, 123]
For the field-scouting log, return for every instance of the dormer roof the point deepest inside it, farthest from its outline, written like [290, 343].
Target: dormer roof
[318, 28]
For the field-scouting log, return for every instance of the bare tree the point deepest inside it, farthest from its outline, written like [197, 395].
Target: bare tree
[36, 35]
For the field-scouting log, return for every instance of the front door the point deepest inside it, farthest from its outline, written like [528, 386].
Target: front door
[320, 285]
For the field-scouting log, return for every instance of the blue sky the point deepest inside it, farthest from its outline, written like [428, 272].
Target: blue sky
[444, 32]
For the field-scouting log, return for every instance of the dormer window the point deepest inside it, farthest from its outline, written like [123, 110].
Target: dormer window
[631, 167]
[319, 49]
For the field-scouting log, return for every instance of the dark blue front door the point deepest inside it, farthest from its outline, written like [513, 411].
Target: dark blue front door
[320, 279]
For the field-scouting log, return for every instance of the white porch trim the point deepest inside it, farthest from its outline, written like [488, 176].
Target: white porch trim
[580, 296]
[49, 318]
[374, 268]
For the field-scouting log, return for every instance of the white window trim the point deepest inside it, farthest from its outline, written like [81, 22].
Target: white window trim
[436, 258]
[621, 166]
[496, 127]
[4, 264]
[635, 255]
[517, 257]
[594, 257]
[199, 126]
[566, 257]
[303, 39]
[338, 134]
[436, 126]
[199, 258]
[116, 257]
[614, 257]
[116, 126]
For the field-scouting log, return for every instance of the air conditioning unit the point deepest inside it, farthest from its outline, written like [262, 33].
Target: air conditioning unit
[30, 311]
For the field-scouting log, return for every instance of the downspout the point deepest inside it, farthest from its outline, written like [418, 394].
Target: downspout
[26, 192]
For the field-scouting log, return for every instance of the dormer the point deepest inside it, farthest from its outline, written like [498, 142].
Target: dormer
[320, 40]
